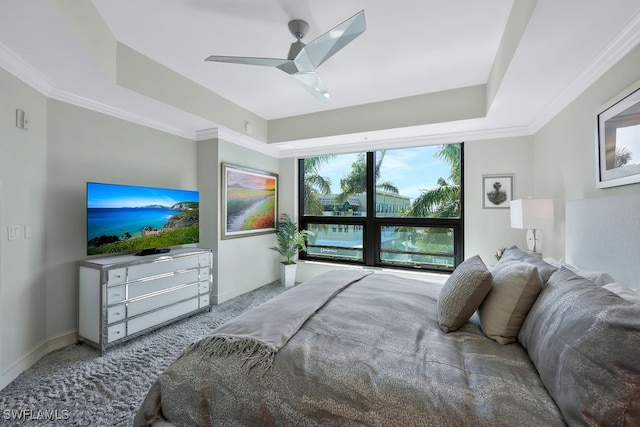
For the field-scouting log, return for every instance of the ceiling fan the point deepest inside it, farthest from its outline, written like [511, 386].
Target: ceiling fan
[303, 60]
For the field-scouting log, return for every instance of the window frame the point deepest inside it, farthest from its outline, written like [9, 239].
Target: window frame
[372, 224]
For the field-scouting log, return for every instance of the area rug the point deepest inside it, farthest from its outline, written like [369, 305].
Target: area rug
[77, 386]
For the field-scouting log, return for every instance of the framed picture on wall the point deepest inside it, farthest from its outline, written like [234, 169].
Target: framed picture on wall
[618, 140]
[497, 191]
[249, 201]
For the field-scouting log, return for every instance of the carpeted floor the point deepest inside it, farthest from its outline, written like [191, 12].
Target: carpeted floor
[76, 386]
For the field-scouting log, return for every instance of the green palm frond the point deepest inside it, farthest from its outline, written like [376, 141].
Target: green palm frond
[442, 201]
[315, 184]
[388, 187]
[290, 240]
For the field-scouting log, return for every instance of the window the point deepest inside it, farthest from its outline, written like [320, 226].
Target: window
[400, 208]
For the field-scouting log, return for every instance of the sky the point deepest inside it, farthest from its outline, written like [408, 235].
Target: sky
[118, 196]
[251, 180]
[629, 137]
[409, 169]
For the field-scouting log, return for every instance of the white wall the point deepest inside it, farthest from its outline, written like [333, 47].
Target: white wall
[486, 230]
[245, 263]
[564, 149]
[23, 175]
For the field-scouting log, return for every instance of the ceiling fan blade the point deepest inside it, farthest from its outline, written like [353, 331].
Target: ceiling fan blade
[269, 62]
[312, 82]
[325, 46]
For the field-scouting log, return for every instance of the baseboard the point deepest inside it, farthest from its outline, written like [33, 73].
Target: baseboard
[36, 354]
[226, 296]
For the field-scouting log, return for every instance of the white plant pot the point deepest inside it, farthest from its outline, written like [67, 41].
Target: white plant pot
[288, 274]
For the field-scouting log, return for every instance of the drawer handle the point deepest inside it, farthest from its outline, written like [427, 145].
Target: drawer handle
[116, 314]
[117, 332]
[116, 295]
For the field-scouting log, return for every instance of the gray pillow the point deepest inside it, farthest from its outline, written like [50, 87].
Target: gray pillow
[584, 342]
[463, 293]
[516, 286]
[514, 253]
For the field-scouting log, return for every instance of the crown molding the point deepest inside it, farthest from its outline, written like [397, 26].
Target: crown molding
[432, 138]
[22, 70]
[119, 113]
[622, 44]
[204, 134]
[247, 142]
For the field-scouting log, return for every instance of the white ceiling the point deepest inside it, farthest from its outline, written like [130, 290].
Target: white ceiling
[411, 47]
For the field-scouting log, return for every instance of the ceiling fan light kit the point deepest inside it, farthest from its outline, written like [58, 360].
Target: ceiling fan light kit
[302, 59]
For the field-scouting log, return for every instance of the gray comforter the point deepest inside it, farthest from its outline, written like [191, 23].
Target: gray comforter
[372, 354]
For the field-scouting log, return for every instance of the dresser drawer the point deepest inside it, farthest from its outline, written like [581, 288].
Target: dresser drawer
[160, 316]
[204, 274]
[161, 300]
[162, 267]
[203, 287]
[204, 301]
[117, 276]
[116, 332]
[116, 313]
[204, 260]
[145, 287]
[116, 294]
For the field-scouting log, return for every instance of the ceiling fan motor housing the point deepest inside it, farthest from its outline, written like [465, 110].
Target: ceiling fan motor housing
[298, 28]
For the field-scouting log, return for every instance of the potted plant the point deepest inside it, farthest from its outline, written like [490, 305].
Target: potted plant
[290, 242]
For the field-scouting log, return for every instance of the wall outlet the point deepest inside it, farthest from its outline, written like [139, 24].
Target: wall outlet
[14, 232]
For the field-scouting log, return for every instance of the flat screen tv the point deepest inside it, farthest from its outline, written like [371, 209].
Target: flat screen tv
[128, 219]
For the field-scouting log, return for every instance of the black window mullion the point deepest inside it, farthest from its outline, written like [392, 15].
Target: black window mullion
[301, 194]
[371, 240]
[372, 224]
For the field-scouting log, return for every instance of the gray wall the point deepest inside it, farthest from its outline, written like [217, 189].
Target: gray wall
[564, 149]
[23, 190]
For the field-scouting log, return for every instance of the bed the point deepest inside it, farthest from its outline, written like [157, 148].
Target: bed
[526, 342]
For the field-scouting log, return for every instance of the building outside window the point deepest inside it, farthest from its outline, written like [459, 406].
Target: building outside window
[401, 207]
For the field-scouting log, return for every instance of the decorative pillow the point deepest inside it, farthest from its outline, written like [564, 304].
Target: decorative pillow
[554, 262]
[624, 291]
[584, 342]
[516, 286]
[515, 253]
[598, 277]
[463, 293]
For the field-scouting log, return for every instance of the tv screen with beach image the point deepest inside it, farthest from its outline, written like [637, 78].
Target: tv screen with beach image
[125, 218]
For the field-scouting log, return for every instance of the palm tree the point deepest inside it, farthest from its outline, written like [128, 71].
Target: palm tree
[355, 182]
[623, 155]
[442, 201]
[315, 184]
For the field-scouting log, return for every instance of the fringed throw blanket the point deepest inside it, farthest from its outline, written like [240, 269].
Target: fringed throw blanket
[258, 334]
[370, 354]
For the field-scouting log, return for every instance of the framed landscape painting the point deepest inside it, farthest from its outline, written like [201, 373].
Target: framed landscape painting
[497, 191]
[249, 201]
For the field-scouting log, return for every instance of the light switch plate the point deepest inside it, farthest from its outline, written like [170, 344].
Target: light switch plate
[14, 232]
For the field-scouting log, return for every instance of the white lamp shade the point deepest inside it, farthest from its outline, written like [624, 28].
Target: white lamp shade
[531, 213]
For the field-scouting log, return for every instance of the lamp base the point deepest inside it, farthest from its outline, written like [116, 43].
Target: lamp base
[534, 241]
